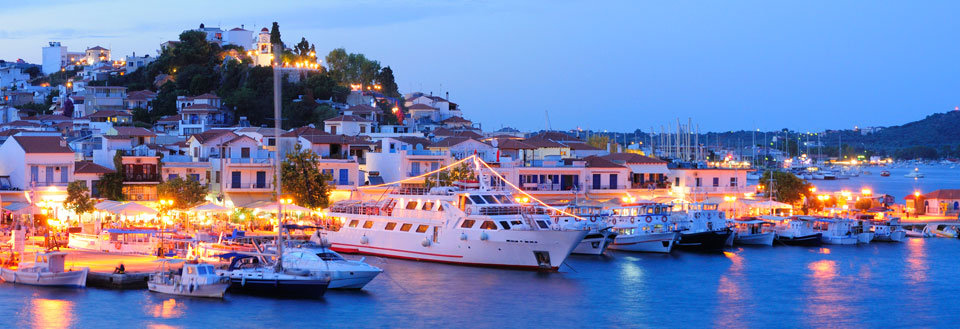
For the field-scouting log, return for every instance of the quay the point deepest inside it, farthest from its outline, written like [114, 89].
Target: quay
[137, 268]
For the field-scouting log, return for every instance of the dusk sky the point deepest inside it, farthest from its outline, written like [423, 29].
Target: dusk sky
[730, 65]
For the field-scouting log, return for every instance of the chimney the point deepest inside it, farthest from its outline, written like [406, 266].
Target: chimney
[448, 96]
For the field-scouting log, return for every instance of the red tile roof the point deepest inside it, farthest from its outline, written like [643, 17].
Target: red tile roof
[456, 120]
[578, 145]
[88, 167]
[510, 144]
[304, 131]
[211, 134]
[347, 118]
[450, 141]
[632, 158]
[141, 95]
[598, 162]
[134, 132]
[363, 108]
[336, 139]
[943, 194]
[107, 114]
[43, 144]
[421, 107]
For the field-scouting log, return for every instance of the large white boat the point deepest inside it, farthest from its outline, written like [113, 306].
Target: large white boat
[795, 231]
[752, 231]
[477, 227]
[914, 174]
[643, 227]
[192, 279]
[47, 269]
[343, 273]
[590, 219]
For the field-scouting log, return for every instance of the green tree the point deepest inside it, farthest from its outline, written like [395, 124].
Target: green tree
[388, 83]
[447, 177]
[864, 204]
[787, 187]
[599, 141]
[111, 184]
[78, 198]
[303, 180]
[275, 34]
[185, 193]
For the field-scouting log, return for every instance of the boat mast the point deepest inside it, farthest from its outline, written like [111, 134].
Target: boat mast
[277, 51]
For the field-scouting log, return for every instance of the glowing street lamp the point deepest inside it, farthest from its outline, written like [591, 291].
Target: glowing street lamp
[866, 192]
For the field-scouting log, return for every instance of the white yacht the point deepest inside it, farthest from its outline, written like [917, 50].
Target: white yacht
[47, 269]
[192, 279]
[888, 230]
[477, 227]
[313, 257]
[258, 274]
[914, 174]
[644, 227]
[795, 231]
[836, 231]
[703, 227]
[590, 219]
[752, 231]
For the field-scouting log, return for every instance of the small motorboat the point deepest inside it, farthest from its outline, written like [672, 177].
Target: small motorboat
[914, 174]
[322, 261]
[885, 173]
[752, 231]
[47, 269]
[704, 228]
[194, 280]
[591, 219]
[258, 274]
[795, 231]
[643, 227]
[941, 230]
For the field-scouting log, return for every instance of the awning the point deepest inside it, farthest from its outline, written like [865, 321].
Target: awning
[246, 199]
[133, 209]
[17, 208]
[286, 208]
[209, 208]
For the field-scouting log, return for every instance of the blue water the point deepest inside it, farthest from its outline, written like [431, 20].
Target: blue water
[937, 177]
[911, 284]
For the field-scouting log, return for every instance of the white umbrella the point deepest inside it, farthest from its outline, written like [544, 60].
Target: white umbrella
[133, 209]
[210, 207]
[286, 208]
[107, 205]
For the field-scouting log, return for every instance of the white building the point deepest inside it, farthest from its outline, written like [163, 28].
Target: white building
[54, 57]
[37, 161]
[349, 125]
[263, 54]
[395, 161]
[238, 36]
[133, 63]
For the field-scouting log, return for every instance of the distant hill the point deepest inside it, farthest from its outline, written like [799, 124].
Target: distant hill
[936, 130]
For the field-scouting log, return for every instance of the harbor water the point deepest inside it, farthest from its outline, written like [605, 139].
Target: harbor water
[910, 284]
[936, 177]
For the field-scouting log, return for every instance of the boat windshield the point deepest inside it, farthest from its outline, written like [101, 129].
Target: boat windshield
[329, 256]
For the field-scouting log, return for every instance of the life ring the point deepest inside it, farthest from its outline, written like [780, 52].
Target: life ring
[631, 220]
[709, 216]
[649, 219]
[118, 245]
[593, 219]
[663, 219]
[469, 211]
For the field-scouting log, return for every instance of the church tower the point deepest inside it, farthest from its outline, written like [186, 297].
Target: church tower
[264, 54]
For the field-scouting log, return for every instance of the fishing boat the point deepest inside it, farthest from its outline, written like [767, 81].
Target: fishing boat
[795, 231]
[885, 173]
[192, 279]
[703, 227]
[592, 220]
[941, 230]
[643, 227]
[258, 274]
[47, 269]
[835, 231]
[479, 227]
[888, 230]
[914, 174]
[320, 260]
[752, 231]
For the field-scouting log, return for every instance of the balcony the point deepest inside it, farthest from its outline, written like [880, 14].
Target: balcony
[608, 187]
[339, 156]
[138, 152]
[45, 184]
[141, 178]
[541, 187]
[255, 161]
[426, 152]
[250, 187]
[340, 183]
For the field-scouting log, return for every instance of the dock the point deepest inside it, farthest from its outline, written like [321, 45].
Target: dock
[137, 268]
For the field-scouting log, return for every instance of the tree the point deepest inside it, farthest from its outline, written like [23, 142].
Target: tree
[599, 141]
[78, 199]
[864, 204]
[142, 115]
[302, 48]
[111, 184]
[788, 188]
[451, 175]
[275, 34]
[185, 193]
[303, 180]
[388, 85]
[68, 108]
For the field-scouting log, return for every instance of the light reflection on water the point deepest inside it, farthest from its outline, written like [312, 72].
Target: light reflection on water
[910, 284]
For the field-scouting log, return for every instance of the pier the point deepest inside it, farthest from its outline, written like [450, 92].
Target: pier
[137, 268]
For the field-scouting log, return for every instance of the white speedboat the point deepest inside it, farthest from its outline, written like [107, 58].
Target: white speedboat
[47, 269]
[752, 231]
[643, 227]
[592, 220]
[194, 280]
[941, 230]
[914, 174]
[343, 273]
[447, 225]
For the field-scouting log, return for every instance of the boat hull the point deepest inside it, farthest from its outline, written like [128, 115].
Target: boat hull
[762, 239]
[655, 242]
[895, 236]
[62, 279]
[352, 279]
[839, 240]
[804, 240]
[279, 288]
[865, 237]
[595, 243]
[531, 250]
[704, 241]
[216, 290]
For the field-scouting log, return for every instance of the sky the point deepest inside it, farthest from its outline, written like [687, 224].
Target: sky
[601, 65]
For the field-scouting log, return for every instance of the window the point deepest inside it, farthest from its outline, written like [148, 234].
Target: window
[353, 223]
[467, 223]
[506, 226]
[363, 129]
[390, 226]
[427, 205]
[490, 199]
[733, 181]
[488, 225]
[504, 199]
[716, 181]
[699, 182]
[477, 199]
[368, 224]
[542, 224]
[405, 227]
[422, 228]
[271, 142]
[412, 205]
[245, 152]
